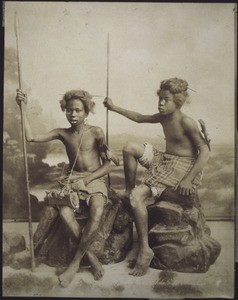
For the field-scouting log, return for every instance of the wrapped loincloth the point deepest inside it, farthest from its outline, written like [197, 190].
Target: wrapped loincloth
[165, 170]
[97, 186]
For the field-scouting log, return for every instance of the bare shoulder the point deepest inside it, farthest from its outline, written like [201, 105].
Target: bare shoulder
[156, 118]
[96, 131]
[189, 124]
[62, 131]
[57, 132]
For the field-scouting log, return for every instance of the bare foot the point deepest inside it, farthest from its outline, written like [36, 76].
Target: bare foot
[131, 263]
[68, 275]
[96, 266]
[98, 272]
[143, 261]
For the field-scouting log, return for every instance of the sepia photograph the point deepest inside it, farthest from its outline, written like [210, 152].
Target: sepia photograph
[119, 149]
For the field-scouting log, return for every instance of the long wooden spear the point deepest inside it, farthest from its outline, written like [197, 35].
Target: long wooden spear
[107, 87]
[107, 95]
[24, 145]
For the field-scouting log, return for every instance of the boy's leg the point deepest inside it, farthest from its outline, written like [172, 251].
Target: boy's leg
[47, 219]
[69, 219]
[131, 153]
[138, 205]
[96, 206]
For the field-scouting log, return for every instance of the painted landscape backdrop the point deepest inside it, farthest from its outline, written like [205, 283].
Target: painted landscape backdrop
[46, 160]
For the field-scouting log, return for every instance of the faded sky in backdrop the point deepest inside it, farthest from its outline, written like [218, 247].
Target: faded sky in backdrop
[63, 46]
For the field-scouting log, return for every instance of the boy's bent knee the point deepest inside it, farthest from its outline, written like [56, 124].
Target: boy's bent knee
[133, 149]
[129, 146]
[97, 202]
[96, 205]
[65, 212]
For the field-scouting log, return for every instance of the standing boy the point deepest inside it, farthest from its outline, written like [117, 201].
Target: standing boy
[88, 165]
[179, 167]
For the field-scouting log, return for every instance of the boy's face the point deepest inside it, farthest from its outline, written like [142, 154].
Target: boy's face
[75, 112]
[166, 103]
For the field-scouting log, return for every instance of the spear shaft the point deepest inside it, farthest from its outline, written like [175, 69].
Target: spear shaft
[24, 146]
[107, 88]
[107, 94]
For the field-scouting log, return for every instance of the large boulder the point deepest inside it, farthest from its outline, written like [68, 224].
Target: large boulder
[13, 242]
[194, 257]
[179, 235]
[113, 241]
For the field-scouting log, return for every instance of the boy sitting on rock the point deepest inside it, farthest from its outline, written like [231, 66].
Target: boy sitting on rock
[179, 167]
[88, 164]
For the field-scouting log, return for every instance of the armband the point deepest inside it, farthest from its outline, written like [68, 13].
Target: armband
[110, 155]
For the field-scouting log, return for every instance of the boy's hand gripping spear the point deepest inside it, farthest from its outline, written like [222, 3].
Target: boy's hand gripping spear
[24, 146]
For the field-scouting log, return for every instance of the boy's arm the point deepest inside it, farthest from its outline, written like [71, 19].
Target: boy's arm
[54, 134]
[106, 164]
[132, 115]
[191, 129]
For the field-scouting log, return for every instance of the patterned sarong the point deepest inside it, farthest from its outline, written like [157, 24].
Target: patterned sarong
[166, 170]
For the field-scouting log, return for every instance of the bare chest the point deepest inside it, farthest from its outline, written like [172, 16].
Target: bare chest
[75, 141]
[174, 133]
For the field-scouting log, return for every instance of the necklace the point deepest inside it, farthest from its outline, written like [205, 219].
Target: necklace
[81, 139]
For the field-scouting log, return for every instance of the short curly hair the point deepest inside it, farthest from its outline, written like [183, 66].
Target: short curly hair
[175, 86]
[82, 95]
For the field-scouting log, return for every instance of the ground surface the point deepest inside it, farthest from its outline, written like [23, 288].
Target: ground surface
[216, 283]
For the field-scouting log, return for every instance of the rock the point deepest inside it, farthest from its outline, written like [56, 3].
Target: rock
[58, 246]
[192, 258]
[117, 246]
[207, 229]
[174, 196]
[6, 255]
[13, 243]
[98, 246]
[5, 247]
[214, 247]
[195, 257]
[15, 240]
[36, 207]
[179, 235]
[48, 218]
[160, 234]
[195, 218]
[21, 260]
[165, 213]
[123, 218]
